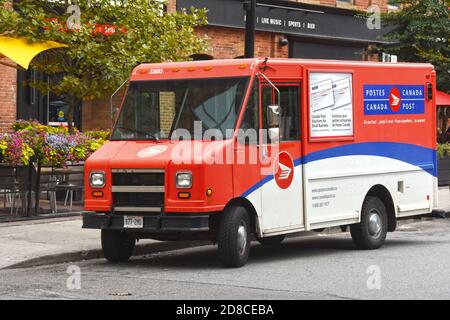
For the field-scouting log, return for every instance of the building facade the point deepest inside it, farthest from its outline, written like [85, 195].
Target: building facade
[296, 29]
[323, 29]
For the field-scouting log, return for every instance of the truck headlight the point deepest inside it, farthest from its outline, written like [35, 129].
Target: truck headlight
[184, 180]
[97, 179]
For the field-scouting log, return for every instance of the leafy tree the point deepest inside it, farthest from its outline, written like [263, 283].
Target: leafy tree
[106, 39]
[421, 32]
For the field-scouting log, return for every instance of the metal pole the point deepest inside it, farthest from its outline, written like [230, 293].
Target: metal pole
[37, 188]
[29, 186]
[111, 101]
[250, 25]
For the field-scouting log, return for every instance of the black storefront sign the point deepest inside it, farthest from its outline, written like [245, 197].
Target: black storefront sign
[286, 17]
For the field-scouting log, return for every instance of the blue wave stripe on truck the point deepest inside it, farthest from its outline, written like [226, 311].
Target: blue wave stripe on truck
[424, 158]
[415, 155]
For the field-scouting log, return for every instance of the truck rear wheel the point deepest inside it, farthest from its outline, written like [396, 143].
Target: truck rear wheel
[371, 232]
[234, 237]
[117, 245]
[272, 241]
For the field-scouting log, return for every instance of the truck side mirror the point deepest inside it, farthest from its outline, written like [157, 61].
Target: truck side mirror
[273, 122]
[273, 115]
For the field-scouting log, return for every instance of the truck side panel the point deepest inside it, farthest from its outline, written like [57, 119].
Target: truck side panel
[388, 148]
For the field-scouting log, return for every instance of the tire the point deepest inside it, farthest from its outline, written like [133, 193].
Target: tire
[272, 241]
[234, 237]
[117, 245]
[371, 232]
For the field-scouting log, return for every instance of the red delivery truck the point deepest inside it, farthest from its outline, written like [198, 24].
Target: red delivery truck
[235, 150]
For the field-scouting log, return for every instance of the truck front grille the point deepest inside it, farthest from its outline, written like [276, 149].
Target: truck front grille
[138, 179]
[137, 190]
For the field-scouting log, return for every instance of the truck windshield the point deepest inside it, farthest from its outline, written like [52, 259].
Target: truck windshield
[153, 110]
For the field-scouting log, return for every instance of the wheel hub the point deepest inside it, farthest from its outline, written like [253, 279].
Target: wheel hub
[375, 223]
[242, 237]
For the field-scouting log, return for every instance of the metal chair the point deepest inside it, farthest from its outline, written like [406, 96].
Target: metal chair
[47, 184]
[8, 186]
[72, 180]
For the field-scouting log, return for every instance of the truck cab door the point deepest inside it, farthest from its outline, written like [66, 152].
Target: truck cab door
[281, 162]
[246, 165]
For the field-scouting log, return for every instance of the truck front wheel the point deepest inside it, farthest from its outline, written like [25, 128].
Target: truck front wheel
[234, 237]
[371, 232]
[117, 245]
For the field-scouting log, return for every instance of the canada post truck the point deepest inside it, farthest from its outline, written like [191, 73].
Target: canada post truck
[255, 149]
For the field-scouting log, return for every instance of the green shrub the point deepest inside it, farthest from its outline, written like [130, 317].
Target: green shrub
[443, 149]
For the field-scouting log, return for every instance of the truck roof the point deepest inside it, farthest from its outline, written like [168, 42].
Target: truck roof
[245, 67]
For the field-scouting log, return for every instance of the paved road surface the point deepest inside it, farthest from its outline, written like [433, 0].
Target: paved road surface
[414, 263]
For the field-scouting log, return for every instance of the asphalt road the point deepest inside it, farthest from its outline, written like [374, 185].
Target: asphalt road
[413, 264]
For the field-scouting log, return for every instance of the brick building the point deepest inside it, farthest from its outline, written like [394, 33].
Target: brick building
[305, 29]
[8, 89]
[324, 29]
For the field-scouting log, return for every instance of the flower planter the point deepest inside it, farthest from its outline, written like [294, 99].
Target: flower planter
[20, 181]
[444, 171]
[34, 151]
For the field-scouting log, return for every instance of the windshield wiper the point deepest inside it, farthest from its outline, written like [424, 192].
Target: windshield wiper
[147, 135]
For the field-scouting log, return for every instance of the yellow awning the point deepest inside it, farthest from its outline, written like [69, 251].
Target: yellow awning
[22, 52]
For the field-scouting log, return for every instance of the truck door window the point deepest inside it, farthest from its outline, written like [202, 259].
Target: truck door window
[290, 108]
[290, 116]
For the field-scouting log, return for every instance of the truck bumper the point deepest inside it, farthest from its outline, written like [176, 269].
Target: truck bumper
[152, 223]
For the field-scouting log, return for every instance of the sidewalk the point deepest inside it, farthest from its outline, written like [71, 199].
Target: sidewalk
[38, 242]
[22, 241]
[46, 241]
[444, 199]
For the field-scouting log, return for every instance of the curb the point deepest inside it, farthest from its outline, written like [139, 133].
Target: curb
[41, 217]
[66, 257]
[439, 213]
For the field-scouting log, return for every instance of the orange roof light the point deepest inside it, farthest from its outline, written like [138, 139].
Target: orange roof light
[142, 71]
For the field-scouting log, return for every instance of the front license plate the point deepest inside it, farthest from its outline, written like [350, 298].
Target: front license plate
[133, 222]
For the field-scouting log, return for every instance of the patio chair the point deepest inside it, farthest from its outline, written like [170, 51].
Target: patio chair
[8, 186]
[47, 184]
[73, 180]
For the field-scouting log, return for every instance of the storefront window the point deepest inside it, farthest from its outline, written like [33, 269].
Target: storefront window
[57, 111]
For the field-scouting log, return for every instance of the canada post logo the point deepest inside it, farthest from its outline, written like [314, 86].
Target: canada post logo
[394, 99]
[283, 170]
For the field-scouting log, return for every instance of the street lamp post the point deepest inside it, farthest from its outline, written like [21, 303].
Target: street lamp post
[250, 25]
